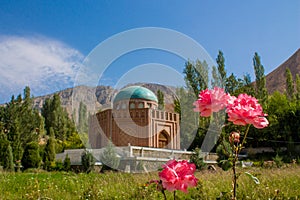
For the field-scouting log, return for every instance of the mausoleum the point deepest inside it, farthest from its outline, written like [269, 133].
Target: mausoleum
[134, 119]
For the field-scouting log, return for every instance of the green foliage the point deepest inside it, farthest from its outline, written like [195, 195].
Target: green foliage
[76, 141]
[223, 150]
[8, 163]
[58, 165]
[289, 84]
[197, 159]
[196, 76]
[109, 157]
[82, 118]
[221, 69]
[87, 161]
[297, 87]
[278, 161]
[22, 123]
[161, 101]
[50, 147]
[188, 118]
[67, 163]
[57, 118]
[233, 84]
[260, 80]
[31, 157]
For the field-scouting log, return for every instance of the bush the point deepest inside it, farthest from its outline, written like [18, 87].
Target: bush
[222, 150]
[31, 157]
[278, 161]
[109, 158]
[67, 163]
[197, 159]
[87, 161]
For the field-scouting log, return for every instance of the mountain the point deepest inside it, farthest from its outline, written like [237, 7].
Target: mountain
[100, 97]
[276, 80]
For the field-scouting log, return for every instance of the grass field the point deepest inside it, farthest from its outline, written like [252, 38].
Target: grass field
[115, 185]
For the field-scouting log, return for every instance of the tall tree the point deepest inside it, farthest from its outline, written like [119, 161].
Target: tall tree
[289, 84]
[233, 84]
[82, 118]
[260, 80]
[57, 118]
[161, 100]
[297, 87]
[22, 123]
[8, 163]
[221, 69]
[215, 81]
[196, 76]
[31, 157]
[189, 120]
[50, 147]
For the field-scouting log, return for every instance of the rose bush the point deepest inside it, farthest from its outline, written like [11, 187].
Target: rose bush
[242, 110]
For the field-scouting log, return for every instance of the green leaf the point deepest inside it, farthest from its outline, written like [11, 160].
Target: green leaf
[255, 179]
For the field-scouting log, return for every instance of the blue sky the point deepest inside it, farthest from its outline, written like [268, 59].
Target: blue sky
[42, 43]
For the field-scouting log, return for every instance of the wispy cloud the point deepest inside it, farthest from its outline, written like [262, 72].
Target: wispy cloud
[43, 64]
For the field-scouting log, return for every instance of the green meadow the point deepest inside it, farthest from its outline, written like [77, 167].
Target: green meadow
[275, 183]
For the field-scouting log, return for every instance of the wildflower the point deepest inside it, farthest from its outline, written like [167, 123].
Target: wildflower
[178, 175]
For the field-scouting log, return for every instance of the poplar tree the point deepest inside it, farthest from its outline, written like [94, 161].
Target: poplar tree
[8, 163]
[50, 152]
[221, 69]
[289, 84]
[297, 87]
[82, 118]
[215, 82]
[161, 101]
[260, 80]
[57, 118]
[196, 76]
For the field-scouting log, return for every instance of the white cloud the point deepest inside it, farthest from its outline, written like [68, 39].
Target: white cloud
[43, 64]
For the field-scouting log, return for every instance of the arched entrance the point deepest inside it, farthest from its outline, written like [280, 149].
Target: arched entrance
[163, 139]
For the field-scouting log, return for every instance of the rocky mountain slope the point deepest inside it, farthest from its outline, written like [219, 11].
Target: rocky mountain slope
[276, 80]
[99, 97]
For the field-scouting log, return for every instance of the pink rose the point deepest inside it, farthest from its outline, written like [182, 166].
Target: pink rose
[178, 175]
[246, 110]
[211, 101]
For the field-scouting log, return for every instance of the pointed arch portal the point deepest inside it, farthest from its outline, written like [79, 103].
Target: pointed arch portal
[163, 139]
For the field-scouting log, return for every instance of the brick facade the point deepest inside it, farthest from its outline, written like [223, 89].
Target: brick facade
[137, 122]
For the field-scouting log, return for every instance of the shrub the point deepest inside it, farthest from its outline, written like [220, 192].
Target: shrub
[87, 161]
[31, 157]
[67, 163]
[109, 157]
[278, 161]
[198, 159]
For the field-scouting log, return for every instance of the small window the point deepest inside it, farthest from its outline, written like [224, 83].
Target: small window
[123, 106]
[141, 105]
[132, 105]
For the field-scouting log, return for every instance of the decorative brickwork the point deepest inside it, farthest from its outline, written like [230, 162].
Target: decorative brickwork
[137, 122]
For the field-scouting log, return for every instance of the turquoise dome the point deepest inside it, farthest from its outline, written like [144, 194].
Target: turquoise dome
[135, 92]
